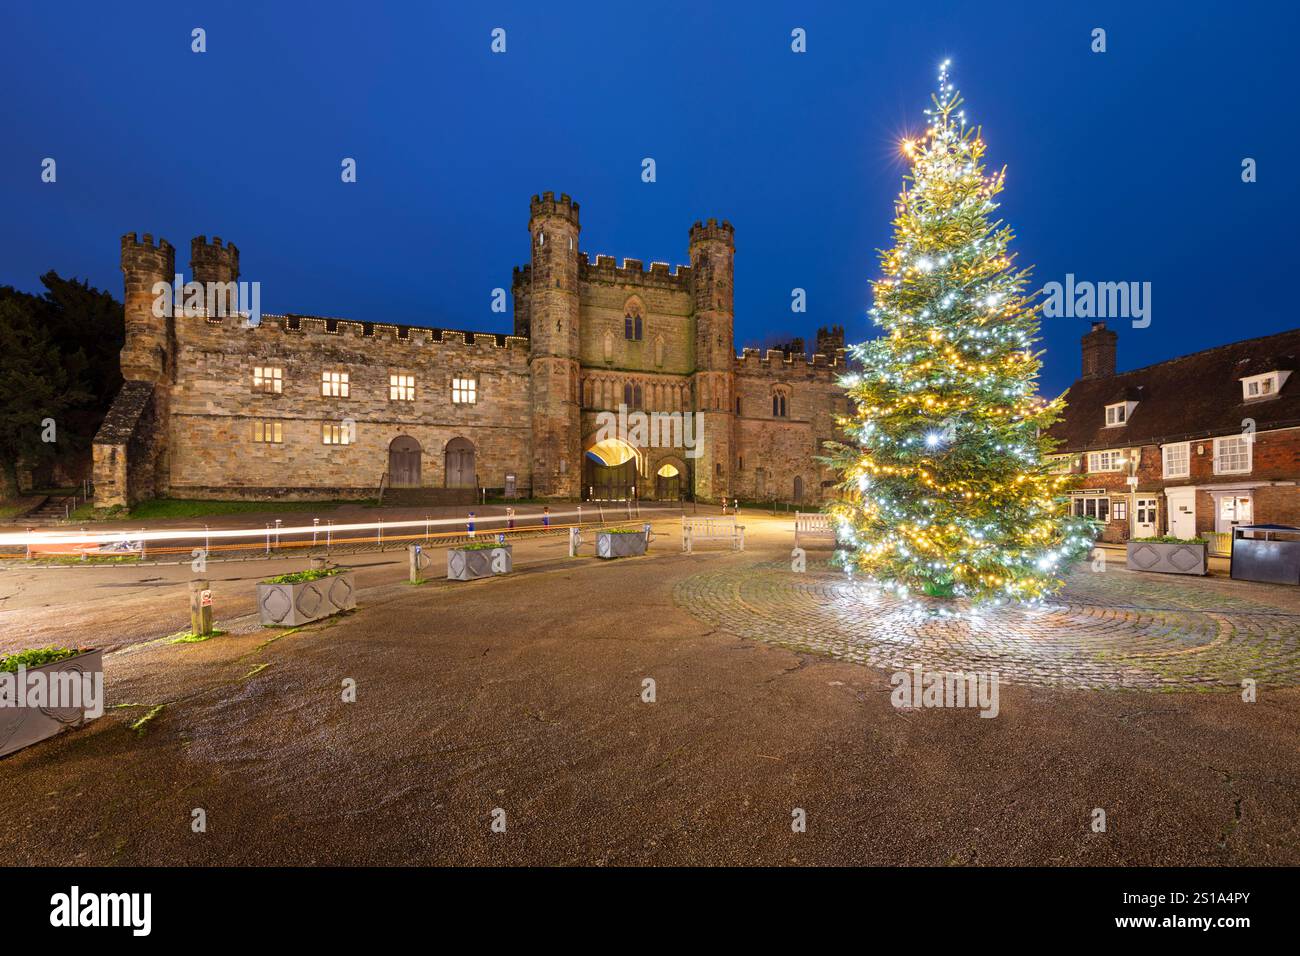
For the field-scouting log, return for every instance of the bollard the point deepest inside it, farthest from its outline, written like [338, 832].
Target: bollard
[317, 563]
[575, 539]
[200, 608]
[546, 517]
[469, 524]
[419, 561]
[645, 528]
[510, 519]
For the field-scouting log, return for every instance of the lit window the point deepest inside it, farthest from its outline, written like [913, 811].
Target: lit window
[268, 378]
[336, 434]
[1177, 460]
[1120, 510]
[1231, 455]
[464, 391]
[1091, 507]
[334, 385]
[1060, 464]
[272, 432]
[1257, 387]
[1116, 414]
[401, 388]
[1106, 461]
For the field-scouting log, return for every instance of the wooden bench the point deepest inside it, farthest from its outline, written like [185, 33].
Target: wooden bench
[812, 525]
[712, 529]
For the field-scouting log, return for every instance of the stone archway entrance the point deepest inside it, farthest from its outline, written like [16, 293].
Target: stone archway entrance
[460, 463]
[670, 479]
[404, 462]
[609, 471]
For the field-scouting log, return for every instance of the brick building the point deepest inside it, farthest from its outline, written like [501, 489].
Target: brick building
[1193, 445]
[309, 407]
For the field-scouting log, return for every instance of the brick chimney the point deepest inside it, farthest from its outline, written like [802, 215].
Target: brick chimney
[1099, 352]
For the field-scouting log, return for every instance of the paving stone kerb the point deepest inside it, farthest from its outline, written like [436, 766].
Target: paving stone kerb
[1115, 629]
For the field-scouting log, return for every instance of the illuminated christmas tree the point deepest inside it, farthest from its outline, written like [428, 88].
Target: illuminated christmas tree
[945, 485]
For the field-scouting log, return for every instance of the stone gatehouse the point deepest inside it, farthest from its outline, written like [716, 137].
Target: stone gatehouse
[300, 406]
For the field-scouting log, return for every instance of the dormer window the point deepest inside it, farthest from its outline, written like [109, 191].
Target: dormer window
[1119, 413]
[1255, 388]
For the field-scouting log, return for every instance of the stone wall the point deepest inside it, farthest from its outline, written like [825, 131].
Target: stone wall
[537, 392]
[771, 450]
[214, 406]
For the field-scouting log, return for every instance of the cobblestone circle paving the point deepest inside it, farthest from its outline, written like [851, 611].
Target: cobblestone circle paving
[1117, 629]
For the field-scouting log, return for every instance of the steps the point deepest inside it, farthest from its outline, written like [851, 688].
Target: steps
[48, 513]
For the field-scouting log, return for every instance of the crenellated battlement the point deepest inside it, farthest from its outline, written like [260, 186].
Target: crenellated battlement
[212, 261]
[633, 272]
[144, 257]
[713, 230]
[547, 205]
[379, 331]
[753, 361]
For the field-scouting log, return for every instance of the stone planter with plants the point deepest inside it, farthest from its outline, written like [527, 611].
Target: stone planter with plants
[620, 542]
[479, 559]
[1168, 555]
[65, 702]
[305, 596]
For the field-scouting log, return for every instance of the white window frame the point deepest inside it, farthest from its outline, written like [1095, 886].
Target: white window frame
[1244, 442]
[464, 390]
[1186, 471]
[1079, 506]
[1116, 463]
[1061, 464]
[1258, 388]
[335, 385]
[268, 379]
[401, 387]
[268, 432]
[1117, 415]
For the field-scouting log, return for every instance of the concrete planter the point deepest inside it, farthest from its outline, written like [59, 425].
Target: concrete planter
[288, 605]
[23, 726]
[611, 544]
[469, 564]
[1168, 557]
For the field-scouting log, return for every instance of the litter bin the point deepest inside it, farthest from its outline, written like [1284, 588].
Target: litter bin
[1266, 552]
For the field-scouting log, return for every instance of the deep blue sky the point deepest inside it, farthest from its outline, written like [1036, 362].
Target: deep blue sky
[1122, 166]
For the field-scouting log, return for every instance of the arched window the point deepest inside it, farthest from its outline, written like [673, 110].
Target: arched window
[780, 409]
[609, 346]
[627, 394]
[632, 325]
[636, 395]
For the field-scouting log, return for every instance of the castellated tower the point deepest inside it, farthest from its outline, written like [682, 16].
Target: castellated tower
[830, 342]
[553, 358]
[713, 251]
[216, 267]
[146, 355]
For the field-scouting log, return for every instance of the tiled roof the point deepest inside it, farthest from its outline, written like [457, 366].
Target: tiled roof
[1194, 396]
